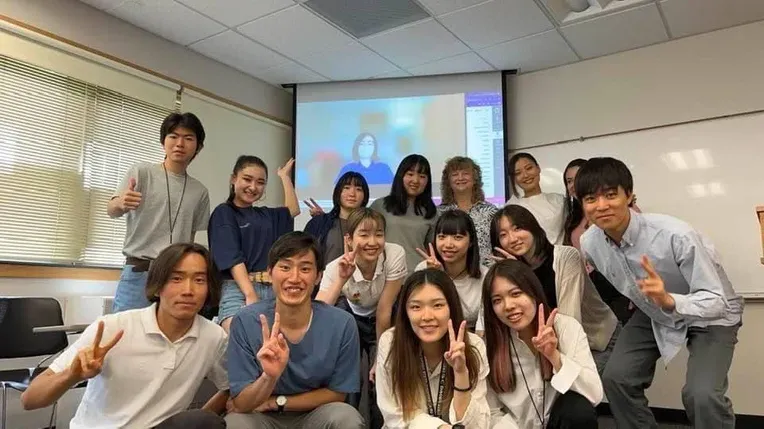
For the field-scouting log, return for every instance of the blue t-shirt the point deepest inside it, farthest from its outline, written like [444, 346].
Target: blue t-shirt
[327, 356]
[245, 235]
[377, 173]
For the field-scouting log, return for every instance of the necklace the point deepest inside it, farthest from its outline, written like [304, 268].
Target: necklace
[169, 200]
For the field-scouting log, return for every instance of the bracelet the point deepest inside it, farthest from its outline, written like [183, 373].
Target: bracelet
[463, 390]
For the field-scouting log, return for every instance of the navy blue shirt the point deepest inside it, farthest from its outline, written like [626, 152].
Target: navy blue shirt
[245, 235]
[326, 357]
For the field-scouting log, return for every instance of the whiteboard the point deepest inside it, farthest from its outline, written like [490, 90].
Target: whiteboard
[709, 174]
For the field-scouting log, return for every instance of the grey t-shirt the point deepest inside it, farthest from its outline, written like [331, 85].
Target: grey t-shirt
[148, 226]
[335, 240]
[409, 231]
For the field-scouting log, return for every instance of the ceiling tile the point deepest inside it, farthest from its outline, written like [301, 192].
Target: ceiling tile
[236, 12]
[496, 21]
[617, 32]
[104, 5]
[687, 17]
[415, 44]
[289, 72]
[530, 53]
[295, 32]
[239, 52]
[395, 73]
[168, 19]
[349, 62]
[464, 63]
[440, 7]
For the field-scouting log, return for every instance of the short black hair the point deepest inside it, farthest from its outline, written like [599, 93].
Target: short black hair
[163, 266]
[458, 222]
[185, 120]
[350, 178]
[599, 174]
[292, 244]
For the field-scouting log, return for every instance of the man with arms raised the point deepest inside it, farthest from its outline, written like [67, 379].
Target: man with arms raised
[292, 361]
[147, 373]
[162, 205]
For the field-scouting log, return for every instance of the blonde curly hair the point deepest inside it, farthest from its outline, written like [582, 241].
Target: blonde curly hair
[461, 163]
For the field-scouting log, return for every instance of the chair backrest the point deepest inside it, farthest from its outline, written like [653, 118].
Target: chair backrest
[17, 318]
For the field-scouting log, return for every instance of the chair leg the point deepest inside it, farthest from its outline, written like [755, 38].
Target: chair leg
[5, 416]
[52, 423]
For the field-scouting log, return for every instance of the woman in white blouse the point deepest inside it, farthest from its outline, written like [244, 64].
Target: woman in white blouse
[548, 208]
[431, 372]
[365, 281]
[562, 273]
[542, 372]
[455, 250]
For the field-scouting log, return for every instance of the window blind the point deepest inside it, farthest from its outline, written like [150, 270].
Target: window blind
[64, 146]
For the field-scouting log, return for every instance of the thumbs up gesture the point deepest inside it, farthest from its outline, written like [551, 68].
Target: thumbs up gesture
[130, 199]
[653, 288]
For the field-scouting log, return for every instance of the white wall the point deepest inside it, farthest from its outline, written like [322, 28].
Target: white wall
[698, 77]
[95, 29]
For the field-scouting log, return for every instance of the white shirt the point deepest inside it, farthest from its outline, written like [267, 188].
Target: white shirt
[470, 292]
[477, 415]
[514, 410]
[146, 379]
[549, 211]
[578, 298]
[363, 295]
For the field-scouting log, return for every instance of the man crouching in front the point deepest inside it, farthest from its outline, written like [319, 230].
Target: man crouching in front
[291, 361]
[153, 360]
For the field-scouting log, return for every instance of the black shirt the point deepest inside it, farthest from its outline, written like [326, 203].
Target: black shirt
[545, 274]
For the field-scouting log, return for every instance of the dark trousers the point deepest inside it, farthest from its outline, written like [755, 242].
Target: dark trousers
[572, 411]
[367, 334]
[631, 368]
[193, 419]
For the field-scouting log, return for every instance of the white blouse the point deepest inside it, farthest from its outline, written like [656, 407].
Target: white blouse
[477, 415]
[549, 211]
[514, 410]
[578, 298]
[470, 292]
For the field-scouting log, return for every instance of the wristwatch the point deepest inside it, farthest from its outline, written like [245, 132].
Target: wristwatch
[281, 403]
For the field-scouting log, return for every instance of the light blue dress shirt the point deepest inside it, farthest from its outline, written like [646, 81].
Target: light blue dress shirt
[686, 261]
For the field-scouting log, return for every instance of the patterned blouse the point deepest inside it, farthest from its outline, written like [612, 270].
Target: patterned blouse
[481, 214]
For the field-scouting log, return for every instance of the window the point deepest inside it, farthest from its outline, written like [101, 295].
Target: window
[64, 146]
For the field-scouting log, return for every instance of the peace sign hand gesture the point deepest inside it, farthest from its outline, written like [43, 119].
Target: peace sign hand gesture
[502, 254]
[346, 264]
[455, 355]
[546, 339]
[274, 354]
[89, 361]
[430, 258]
[315, 209]
[653, 288]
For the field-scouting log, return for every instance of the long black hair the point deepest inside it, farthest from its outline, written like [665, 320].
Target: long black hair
[351, 178]
[398, 201]
[574, 211]
[522, 218]
[458, 222]
[243, 162]
[511, 165]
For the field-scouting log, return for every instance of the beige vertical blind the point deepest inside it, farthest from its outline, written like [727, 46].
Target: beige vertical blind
[64, 146]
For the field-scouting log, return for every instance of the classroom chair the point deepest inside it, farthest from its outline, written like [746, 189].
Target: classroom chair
[18, 316]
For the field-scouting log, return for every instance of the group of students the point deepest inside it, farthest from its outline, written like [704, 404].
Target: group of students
[471, 316]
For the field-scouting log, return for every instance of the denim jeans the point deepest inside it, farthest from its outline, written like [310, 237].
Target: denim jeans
[131, 290]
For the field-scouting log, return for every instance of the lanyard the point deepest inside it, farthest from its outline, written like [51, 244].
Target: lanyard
[433, 409]
[169, 200]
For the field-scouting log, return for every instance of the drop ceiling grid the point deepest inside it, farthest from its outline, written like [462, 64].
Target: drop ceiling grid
[272, 38]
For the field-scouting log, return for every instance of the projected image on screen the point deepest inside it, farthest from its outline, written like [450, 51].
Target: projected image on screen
[372, 136]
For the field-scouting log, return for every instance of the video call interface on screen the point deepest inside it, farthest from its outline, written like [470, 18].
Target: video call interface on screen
[372, 136]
